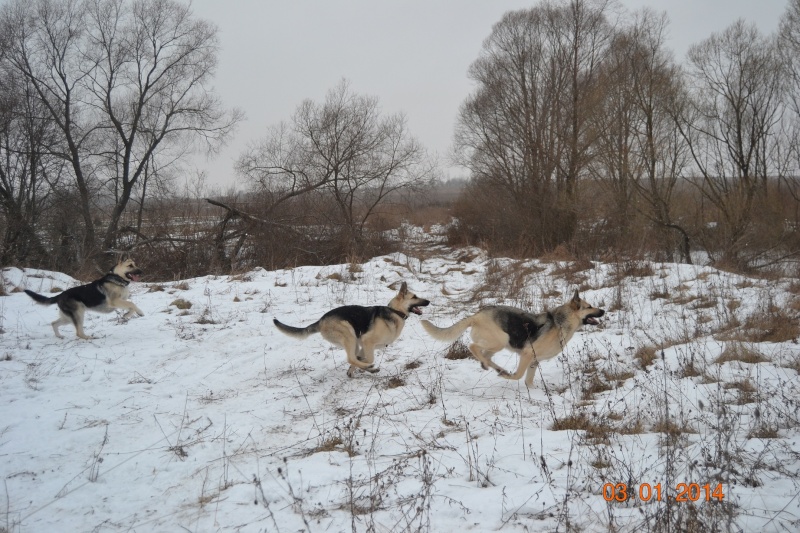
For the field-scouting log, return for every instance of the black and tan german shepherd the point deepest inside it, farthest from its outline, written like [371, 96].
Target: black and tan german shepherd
[360, 330]
[535, 337]
[102, 295]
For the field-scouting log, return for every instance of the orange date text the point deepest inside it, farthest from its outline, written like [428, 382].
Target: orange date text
[684, 492]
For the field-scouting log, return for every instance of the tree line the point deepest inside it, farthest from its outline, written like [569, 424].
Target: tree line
[586, 132]
[583, 131]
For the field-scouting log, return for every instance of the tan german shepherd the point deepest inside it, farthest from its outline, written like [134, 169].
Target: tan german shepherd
[102, 295]
[359, 330]
[535, 338]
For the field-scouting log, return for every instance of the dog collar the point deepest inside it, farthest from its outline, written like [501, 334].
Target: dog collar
[117, 280]
[402, 314]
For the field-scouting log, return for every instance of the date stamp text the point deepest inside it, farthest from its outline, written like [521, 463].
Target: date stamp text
[684, 492]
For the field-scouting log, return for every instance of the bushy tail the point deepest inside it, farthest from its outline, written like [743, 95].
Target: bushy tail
[44, 300]
[298, 333]
[448, 334]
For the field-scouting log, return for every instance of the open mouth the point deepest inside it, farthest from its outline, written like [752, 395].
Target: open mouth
[590, 320]
[133, 276]
[416, 309]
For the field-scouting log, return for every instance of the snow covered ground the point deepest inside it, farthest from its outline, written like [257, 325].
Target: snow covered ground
[206, 418]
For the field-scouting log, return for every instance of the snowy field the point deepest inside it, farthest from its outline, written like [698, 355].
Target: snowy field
[201, 416]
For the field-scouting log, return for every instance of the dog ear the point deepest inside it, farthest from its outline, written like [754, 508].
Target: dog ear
[403, 289]
[576, 300]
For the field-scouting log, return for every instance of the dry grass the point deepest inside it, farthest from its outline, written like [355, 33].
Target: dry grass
[704, 302]
[506, 281]
[763, 432]
[671, 428]
[573, 272]
[395, 382]
[618, 377]
[594, 386]
[205, 319]
[773, 324]
[737, 351]
[794, 363]
[411, 365]
[646, 355]
[684, 299]
[631, 427]
[572, 422]
[180, 303]
[458, 350]
[594, 428]
[330, 444]
[631, 269]
[559, 253]
[659, 294]
[747, 391]
[690, 370]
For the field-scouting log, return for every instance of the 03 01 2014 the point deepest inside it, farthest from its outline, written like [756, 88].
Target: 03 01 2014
[684, 492]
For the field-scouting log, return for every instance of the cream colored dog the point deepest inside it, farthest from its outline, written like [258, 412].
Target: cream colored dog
[535, 338]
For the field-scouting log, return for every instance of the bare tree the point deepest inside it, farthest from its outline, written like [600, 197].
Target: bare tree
[125, 82]
[638, 149]
[731, 126]
[789, 48]
[525, 129]
[27, 171]
[342, 148]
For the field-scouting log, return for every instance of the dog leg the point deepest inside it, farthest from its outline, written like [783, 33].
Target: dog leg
[368, 351]
[352, 347]
[77, 320]
[529, 375]
[130, 306]
[61, 321]
[526, 359]
[484, 357]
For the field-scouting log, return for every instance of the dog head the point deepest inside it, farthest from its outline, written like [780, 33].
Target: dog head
[408, 302]
[127, 269]
[587, 314]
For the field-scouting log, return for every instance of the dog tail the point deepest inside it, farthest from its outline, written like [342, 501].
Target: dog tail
[298, 333]
[448, 334]
[44, 300]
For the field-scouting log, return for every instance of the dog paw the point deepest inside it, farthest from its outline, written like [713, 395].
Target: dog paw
[372, 369]
[350, 373]
[503, 373]
[483, 366]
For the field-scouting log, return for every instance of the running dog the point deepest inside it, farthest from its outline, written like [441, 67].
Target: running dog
[102, 295]
[534, 338]
[359, 330]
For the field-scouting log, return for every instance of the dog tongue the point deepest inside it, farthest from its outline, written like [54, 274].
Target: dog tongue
[416, 310]
[135, 277]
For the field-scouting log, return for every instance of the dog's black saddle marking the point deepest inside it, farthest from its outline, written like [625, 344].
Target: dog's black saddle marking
[91, 294]
[522, 328]
[360, 317]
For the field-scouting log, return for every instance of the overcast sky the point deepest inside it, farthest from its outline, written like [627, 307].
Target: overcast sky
[411, 54]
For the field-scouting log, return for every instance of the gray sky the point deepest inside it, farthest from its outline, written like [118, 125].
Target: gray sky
[411, 54]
